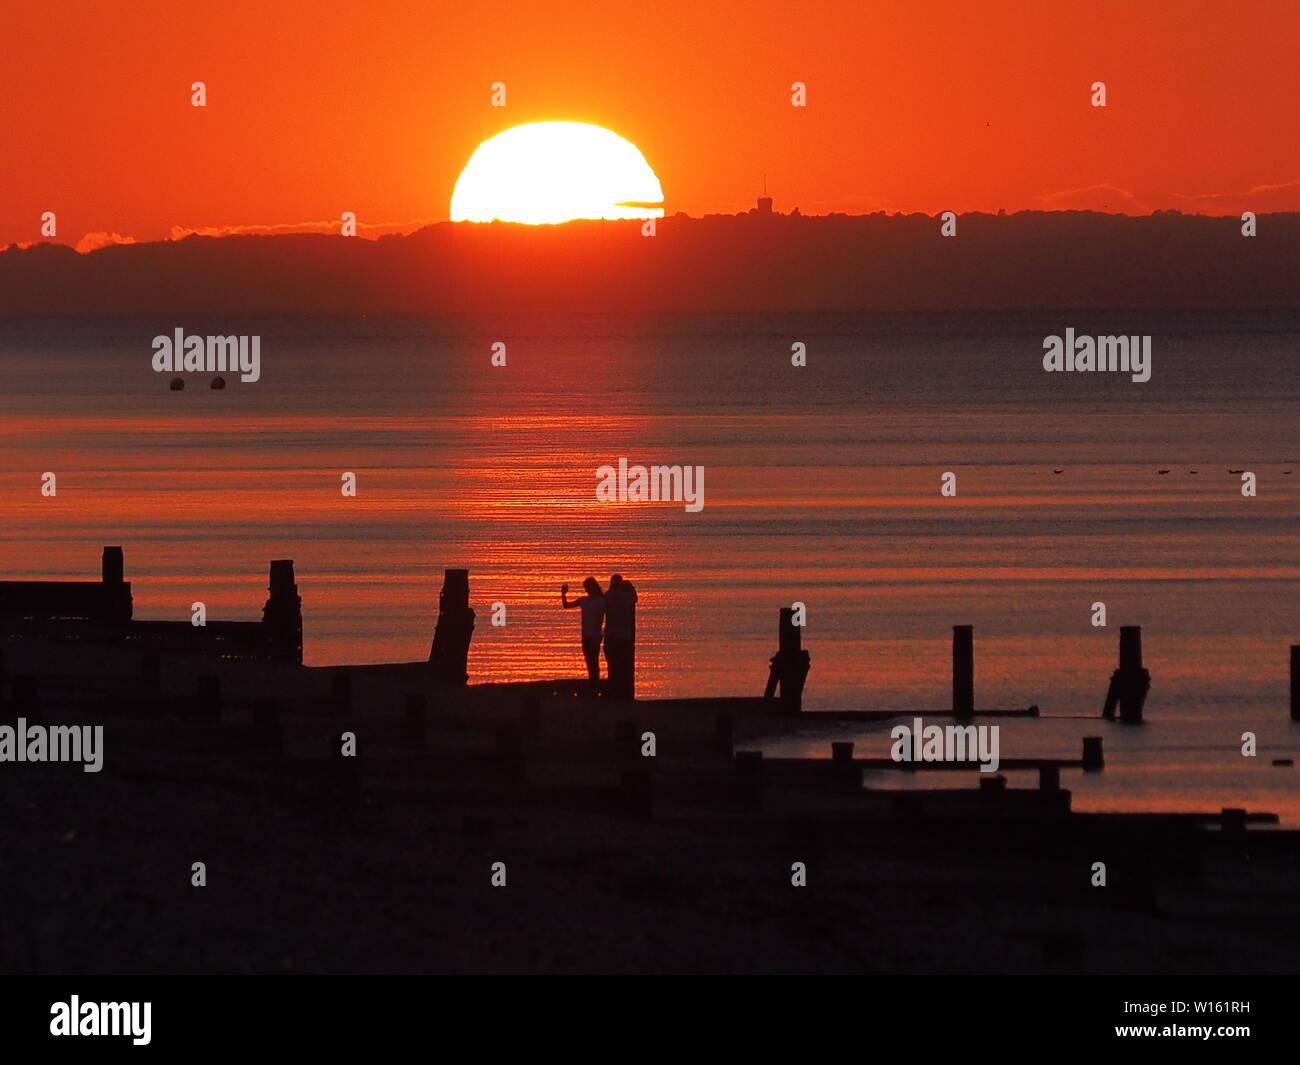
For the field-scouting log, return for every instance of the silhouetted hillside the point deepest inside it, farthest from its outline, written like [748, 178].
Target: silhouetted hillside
[741, 262]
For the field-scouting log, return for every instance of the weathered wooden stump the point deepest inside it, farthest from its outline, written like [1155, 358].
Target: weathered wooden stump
[963, 671]
[1130, 683]
[789, 666]
[449, 654]
[1295, 682]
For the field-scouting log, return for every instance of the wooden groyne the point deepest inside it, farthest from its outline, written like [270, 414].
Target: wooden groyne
[409, 710]
[101, 613]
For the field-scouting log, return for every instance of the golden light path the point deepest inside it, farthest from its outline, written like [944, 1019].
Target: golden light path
[550, 172]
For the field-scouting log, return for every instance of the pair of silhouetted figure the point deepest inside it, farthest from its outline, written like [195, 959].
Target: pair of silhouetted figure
[611, 617]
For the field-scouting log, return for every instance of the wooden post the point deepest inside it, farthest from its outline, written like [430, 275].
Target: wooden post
[112, 567]
[1295, 682]
[993, 785]
[1130, 683]
[790, 664]
[963, 671]
[1130, 648]
[844, 773]
[1133, 694]
[1092, 754]
[115, 605]
[449, 655]
[282, 614]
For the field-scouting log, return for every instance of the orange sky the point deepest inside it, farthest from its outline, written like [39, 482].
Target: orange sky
[321, 107]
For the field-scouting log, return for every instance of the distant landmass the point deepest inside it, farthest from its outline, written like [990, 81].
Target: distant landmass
[747, 262]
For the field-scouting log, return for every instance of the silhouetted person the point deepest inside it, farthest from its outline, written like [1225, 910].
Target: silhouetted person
[620, 638]
[592, 606]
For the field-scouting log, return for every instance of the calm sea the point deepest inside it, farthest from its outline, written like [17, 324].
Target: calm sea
[821, 486]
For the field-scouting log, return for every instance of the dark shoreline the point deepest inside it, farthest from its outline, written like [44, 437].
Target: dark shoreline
[1037, 260]
[615, 862]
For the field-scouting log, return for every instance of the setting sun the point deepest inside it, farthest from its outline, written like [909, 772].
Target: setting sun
[548, 172]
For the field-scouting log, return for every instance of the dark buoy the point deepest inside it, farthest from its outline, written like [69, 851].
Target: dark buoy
[177, 385]
[218, 382]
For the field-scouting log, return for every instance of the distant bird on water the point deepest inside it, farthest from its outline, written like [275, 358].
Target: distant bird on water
[1162, 471]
